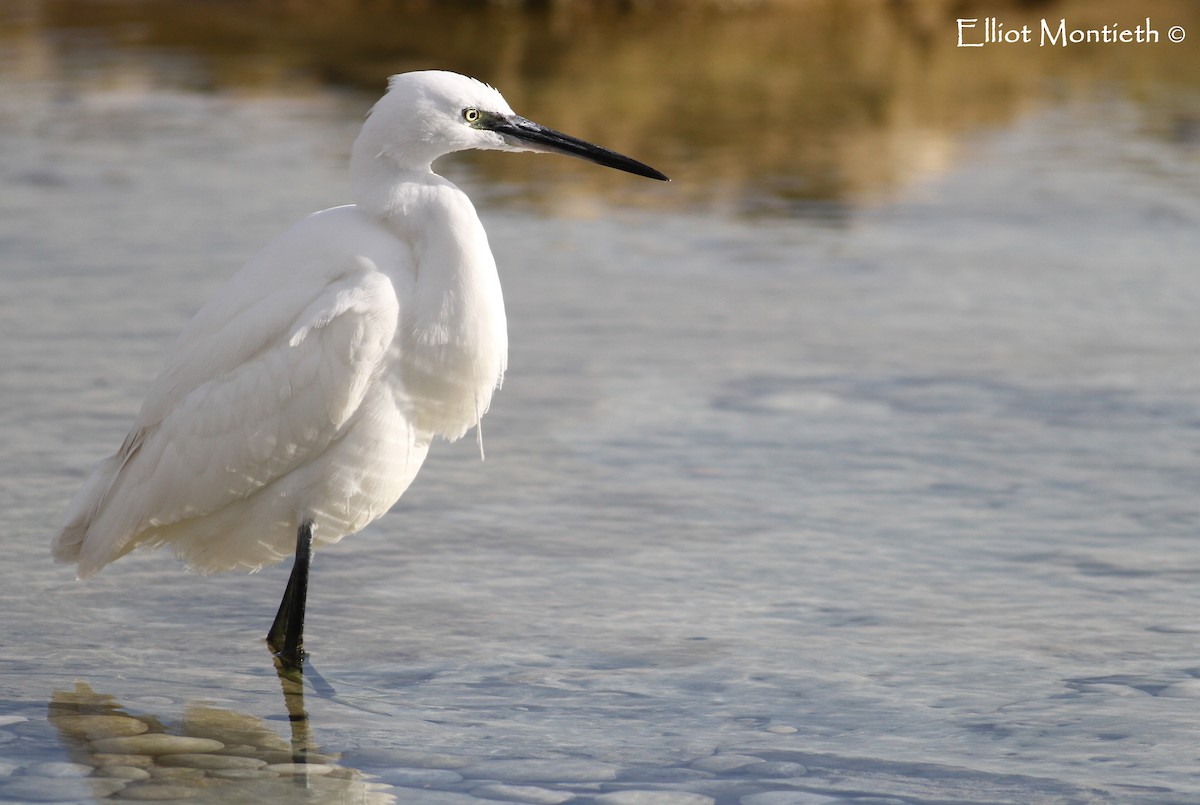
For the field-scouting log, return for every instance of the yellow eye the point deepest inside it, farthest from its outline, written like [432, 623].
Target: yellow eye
[471, 115]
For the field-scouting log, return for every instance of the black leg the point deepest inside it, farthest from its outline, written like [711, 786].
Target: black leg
[286, 637]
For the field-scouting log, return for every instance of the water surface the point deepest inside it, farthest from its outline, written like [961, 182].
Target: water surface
[878, 495]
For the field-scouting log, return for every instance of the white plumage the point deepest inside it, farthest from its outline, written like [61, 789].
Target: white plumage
[309, 388]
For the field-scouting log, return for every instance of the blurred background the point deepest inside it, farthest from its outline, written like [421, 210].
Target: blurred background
[774, 107]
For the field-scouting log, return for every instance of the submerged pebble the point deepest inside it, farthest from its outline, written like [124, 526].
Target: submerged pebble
[789, 798]
[58, 789]
[94, 727]
[158, 792]
[416, 778]
[542, 771]
[176, 774]
[415, 796]
[108, 759]
[124, 773]
[653, 798]
[775, 769]
[240, 774]
[57, 768]
[719, 764]
[1184, 689]
[661, 774]
[311, 769]
[531, 794]
[156, 744]
[207, 761]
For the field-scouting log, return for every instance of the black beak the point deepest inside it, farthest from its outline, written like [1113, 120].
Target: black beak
[534, 137]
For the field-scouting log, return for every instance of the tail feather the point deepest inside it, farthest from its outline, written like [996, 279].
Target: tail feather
[68, 543]
[67, 546]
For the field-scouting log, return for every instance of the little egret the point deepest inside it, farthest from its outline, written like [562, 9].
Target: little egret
[299, 403]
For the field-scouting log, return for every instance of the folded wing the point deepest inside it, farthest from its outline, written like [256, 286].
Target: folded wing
[246, 399]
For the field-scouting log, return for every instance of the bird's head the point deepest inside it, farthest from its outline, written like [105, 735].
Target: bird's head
[430, 113]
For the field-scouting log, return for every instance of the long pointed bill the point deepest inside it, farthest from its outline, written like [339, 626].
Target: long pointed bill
[532, 136]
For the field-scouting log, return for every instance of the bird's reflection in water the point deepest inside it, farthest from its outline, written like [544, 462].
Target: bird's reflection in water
[211, 754]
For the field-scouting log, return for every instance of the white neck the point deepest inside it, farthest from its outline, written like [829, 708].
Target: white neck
[455, 342]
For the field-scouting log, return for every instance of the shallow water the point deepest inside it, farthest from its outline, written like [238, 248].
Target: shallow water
[894, 506]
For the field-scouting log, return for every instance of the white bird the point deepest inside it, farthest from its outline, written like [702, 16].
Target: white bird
[299, 403]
